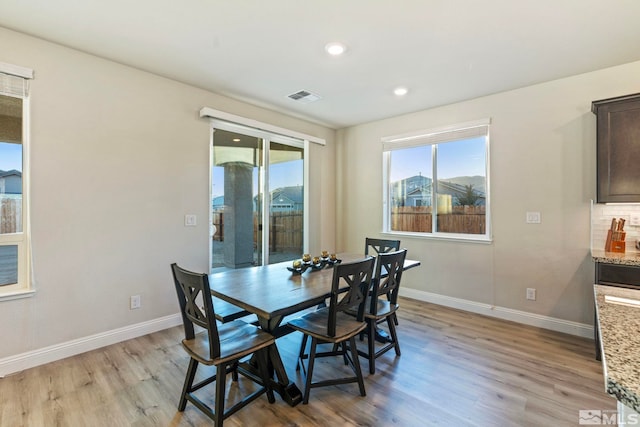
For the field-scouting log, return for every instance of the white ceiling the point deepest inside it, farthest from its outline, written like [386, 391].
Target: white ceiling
[260, 51]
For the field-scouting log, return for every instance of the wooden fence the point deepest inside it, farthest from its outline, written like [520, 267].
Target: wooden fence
[10, 215]
[462, 219]
[286, 227]
[285, 230]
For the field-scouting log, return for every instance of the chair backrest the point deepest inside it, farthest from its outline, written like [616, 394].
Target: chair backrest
[386, 281]
[357, 278]
[193, 289]
[380, 246]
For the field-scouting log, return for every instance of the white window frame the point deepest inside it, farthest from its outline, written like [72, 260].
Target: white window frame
[433, 137]
[11, 78]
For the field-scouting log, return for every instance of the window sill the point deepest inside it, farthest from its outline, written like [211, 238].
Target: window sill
[442, 236]
[17, 295]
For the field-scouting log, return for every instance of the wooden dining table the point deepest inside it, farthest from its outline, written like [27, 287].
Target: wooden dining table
[272, 292]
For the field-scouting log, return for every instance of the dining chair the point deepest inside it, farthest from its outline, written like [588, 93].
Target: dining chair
[378, 309]
[332, 325]
[377, 246]
[222, 346]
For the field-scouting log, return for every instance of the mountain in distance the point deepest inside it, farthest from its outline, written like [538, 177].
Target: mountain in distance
[477, 181]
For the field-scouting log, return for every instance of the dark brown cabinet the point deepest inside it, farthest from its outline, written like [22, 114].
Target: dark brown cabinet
[618, 148]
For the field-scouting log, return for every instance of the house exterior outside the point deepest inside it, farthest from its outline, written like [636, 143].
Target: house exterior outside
[285, 199]
[217, 204]
[416, 191]
[11, 182]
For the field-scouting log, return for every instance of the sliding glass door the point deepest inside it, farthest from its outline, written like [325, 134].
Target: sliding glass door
[257, 211]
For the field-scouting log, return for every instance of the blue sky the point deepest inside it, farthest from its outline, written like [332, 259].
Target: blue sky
[462, 158]
[459, 158]
[10, 156]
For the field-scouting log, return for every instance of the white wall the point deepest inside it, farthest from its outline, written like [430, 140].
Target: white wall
[118, 156]
[542, 159]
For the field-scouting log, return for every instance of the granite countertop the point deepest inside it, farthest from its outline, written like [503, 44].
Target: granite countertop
[619, 329]
[627, 258]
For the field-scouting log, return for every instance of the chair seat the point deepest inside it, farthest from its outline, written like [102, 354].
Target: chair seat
[384, 309]
[315, 325]
[237, 339]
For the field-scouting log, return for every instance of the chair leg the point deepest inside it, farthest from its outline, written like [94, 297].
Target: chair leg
[221, 376]
[343, 351]
[301, 353]
[312, 358]
[371, 345]
[393, 332]
[234, 372]
[188, 382]
[356, 365]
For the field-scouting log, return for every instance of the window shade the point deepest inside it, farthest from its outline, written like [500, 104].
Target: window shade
[14, 80]
[435, 136]
[15, 86]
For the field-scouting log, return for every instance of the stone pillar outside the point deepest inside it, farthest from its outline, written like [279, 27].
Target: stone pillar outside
[238, 215]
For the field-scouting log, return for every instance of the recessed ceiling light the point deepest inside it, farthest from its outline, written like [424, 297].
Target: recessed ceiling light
[236, 139]
[400, 91]
[335, 48]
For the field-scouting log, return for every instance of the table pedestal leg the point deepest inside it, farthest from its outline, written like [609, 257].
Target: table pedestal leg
[281, 384]
[288, 390]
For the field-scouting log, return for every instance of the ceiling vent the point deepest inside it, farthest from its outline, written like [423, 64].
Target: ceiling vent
[304, 96]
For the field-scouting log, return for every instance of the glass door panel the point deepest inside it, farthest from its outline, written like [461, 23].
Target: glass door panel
[236, 200]
[286, 206]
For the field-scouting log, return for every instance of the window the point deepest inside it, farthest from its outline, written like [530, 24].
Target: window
[14, 250]
[436, 182]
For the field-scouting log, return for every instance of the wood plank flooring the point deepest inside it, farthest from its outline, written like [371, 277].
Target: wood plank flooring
[456, 369]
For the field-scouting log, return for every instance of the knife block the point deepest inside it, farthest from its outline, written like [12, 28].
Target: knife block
[615, 241]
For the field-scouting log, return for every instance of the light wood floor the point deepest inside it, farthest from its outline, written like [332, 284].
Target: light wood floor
[456, 369]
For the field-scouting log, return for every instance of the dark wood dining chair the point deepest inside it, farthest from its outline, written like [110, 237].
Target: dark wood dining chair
[221, 346]
[332, 325]
[382, 304]
[377, 246]
[380, 246]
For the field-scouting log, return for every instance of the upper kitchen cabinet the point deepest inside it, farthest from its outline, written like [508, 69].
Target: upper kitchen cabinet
[618, 155]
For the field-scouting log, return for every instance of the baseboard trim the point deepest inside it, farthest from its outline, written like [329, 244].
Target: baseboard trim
[531, 319]
[12, 364]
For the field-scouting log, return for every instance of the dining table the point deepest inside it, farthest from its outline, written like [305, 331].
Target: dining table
[272, 292]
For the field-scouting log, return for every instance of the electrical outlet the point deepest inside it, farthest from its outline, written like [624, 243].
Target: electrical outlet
[531, 294]
[533, 218]
[134, 302]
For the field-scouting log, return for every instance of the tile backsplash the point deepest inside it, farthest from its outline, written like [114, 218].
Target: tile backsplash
[601, 216]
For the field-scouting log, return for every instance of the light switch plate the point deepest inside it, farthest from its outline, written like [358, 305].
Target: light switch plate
[190, 220]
